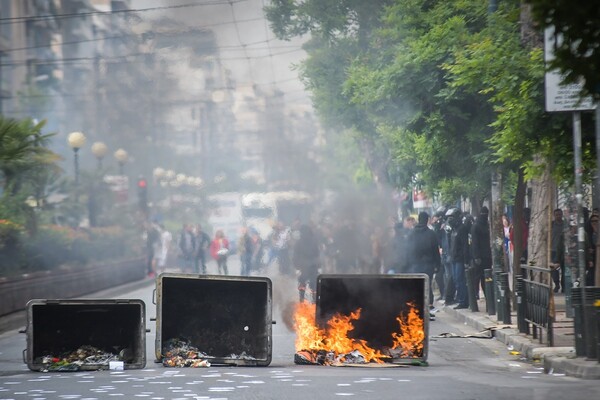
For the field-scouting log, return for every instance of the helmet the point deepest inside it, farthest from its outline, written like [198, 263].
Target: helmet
[453, 217]
[440, 212]
[468, 219]
[454, 212]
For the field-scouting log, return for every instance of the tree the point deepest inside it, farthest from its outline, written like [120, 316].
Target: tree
[22, 149]
[25, 164]
[578, 55]
[340, 31]
[430, 128]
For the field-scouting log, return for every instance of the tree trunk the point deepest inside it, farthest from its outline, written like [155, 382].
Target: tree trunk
[376, 164]
[519, 223]
[543, 189]
[497, 230]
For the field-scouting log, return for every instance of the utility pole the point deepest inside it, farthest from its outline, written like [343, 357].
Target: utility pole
[1, 90]
[597, 277]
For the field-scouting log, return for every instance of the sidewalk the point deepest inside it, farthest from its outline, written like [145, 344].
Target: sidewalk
[557, 359]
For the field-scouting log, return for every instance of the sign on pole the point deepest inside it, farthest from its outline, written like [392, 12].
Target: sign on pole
[559, 96]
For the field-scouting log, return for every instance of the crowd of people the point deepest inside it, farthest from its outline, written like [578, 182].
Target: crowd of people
[442, 245]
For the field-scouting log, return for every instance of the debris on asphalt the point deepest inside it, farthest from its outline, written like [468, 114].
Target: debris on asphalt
[85, 355]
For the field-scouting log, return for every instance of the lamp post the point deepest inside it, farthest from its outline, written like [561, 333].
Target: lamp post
[121, 156]
[99, 149]
[158, 174]
[76, 141]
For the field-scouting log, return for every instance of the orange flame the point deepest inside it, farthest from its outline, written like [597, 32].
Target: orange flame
[334, 338]
[410, 340]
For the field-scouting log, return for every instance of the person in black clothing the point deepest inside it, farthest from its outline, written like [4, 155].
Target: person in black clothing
[399, 250]
[424, 253]
[306, 260]
[202, 243]
[245, 252]
[346, 244]
[481, 247]
[437, 223]
[453, 220]
[557, 253]
[461, 257]
[187, 247]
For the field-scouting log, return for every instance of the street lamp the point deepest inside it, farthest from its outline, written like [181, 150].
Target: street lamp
[76, 141]
[121, 156]
[158, 173]
[99, 149]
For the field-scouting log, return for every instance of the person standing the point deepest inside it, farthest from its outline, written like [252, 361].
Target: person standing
[399, 247]
[423, 251]
[219, 250]
[461, 257]
[257, 249]
[202, 244]
[453, 221]
[592, 239]
[245, 252]
[437, 224]
[557, 250]
[187, 247]
[306, 261]
[481, 248]
[508, 245]
[152, 236]
[346, 244]
[165, 246]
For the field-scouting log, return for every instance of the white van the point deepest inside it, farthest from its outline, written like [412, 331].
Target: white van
[262, 209]
[225, 213]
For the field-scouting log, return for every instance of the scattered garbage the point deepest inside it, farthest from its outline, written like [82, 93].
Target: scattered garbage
[73, 361]
[180, 353]
[225, 320]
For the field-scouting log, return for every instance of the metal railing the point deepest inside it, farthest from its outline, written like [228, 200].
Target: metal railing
[534, 299]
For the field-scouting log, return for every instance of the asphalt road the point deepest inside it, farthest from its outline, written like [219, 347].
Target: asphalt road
[459, 368]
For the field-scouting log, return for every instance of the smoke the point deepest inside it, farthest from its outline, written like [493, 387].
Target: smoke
[285, 296]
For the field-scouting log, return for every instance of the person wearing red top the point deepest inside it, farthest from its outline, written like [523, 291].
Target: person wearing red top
[219, 250]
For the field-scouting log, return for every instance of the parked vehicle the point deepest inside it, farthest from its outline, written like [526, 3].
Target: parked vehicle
[225, 213]
[261, 210]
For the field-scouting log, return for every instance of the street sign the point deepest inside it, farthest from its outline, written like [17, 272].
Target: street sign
[559, 96]
[119, 185]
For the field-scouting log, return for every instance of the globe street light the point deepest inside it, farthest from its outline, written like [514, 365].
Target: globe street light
[76, 141]
[158, 173]
[99, 149]
[121, 156]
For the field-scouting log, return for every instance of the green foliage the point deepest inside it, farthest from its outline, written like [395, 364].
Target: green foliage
[54, 246]
[10, 244]
[510, 78]
[435, 91]
[344, 160]
[578, 55]
[22, 149]
[430, 128]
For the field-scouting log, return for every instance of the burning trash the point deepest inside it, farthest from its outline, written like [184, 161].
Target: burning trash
[368, 320]
[334, 344]
[84, 356]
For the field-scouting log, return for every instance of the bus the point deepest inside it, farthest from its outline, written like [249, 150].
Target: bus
[225, 213]
[261, 210]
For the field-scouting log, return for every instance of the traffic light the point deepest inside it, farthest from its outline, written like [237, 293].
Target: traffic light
[142, 188]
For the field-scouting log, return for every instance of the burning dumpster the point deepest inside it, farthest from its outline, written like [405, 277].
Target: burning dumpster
[85, 334]
[363, 319]
[206, 319]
